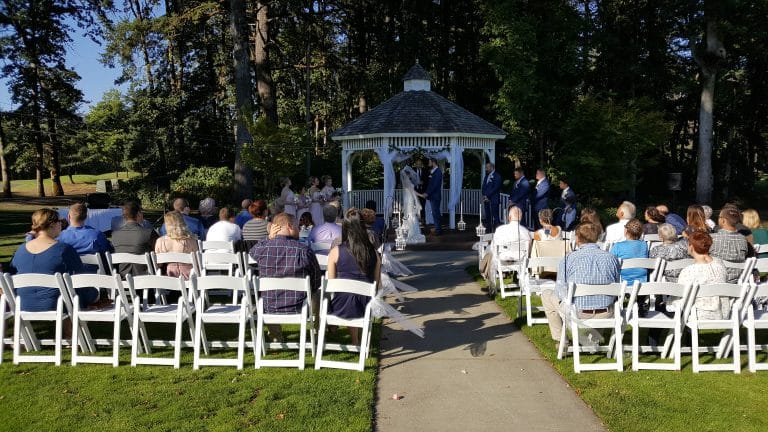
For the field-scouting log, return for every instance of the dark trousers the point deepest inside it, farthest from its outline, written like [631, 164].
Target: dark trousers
[435, 205]
[491, 212]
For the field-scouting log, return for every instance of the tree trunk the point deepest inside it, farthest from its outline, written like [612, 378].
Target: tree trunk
[6, 175]
[243, 184]
[264, 83]
[709, 63]
[37, 134]
[53, 139]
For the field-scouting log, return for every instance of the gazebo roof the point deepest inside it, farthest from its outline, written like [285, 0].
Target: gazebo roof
[418, 111]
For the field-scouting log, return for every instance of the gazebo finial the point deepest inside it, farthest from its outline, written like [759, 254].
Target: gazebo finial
[417, 79]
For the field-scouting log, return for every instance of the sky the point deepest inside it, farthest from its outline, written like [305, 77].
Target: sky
[95, 78]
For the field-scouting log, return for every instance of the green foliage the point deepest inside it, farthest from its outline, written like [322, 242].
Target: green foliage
[196, 183]
[276, 151]
[605, 143]
[145, 190]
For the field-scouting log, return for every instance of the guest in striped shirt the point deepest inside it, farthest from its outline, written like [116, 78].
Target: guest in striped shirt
[256, 229]
[587, 265]
[281, 256]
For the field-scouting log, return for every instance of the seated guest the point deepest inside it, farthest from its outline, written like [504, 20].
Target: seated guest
[652, 220]
[282, 256]
[670, 249]
[355, 258]
[696, 220]
[378, 225]
[305, 221]
[590, 215]
[178, 239]
[225, 229]
[245, 214]
[118, 222]
[368, 217]
[134, 238]
[706, 269]
[193, 225]
[632, 247]
[547, 230]
[727, 243]
[672, 218]
[708, 218]
[512, 231]
[43, 254]
[751, 219]
[329, 230]
[84, 238]
[207, 210]
[587, 265]
[615, 232]
[257, 228]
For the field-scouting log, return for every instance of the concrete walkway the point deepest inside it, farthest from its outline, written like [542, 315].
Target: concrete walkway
[474, 370]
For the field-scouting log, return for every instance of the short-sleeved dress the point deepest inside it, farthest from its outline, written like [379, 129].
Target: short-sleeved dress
[350, 305]
[61, 258]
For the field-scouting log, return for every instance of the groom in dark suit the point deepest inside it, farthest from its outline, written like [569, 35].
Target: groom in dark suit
[434, 193]
[491, 188]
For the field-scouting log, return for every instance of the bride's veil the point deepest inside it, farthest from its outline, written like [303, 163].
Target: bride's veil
[408, 177]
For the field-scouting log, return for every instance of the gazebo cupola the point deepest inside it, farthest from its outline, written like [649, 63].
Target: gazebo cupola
[416, 120]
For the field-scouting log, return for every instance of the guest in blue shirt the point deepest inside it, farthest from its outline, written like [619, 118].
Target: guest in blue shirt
[632, 247]
[244, 215]
[194, 225]
[45, 255]
[378, 225]
[328, 231]
[84, 238]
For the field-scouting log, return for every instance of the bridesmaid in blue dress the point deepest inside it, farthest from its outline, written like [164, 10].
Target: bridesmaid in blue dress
[355, 258]
[43, 254]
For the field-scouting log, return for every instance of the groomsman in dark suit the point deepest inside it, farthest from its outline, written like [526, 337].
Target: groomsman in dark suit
[434, 193]
[521, 192]
[542, 196]
[568, 202]
[491, 189]
[423, 175]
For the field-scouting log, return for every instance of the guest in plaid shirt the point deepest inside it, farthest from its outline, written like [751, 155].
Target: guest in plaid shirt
[727, 243]
[587, 265]
[282, 256]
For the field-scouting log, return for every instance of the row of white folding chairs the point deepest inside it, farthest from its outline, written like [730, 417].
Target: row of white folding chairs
[685, 315]
[193, 307]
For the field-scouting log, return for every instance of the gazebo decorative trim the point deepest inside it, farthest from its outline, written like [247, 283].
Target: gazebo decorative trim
[416, 120]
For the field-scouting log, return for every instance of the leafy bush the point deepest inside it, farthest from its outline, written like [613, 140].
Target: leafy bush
[196, 183]
[145, 190]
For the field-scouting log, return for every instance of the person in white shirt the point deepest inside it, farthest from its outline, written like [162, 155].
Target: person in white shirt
[615, 232]
[224, 229]
[512, 231]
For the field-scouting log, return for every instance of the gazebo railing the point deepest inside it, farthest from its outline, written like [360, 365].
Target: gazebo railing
[470, 197]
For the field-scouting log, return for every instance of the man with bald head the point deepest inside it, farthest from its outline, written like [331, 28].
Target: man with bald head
[194, 226]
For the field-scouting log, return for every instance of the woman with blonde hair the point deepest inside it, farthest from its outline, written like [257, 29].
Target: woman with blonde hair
[751, 219]
[44, 254]
[178, 238]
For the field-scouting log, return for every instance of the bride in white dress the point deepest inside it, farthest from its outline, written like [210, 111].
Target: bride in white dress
[411, 205]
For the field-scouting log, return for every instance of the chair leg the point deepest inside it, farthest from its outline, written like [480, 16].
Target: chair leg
[116, 341]
[736, 347]
[75, 334]
[2, 331]
[678, 341]
[241, 343]
[751, 355]
[320, 343]
[16, 336]
[135, 338]
[635, 347]
[576, 347]
[302, 342]
[177, 343]
[196, 343]
[695, 347]
[59, 337]
[258, 344]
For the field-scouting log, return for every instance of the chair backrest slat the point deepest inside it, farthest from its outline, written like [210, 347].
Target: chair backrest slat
[289, 284]
[349, 286]
[612, 289]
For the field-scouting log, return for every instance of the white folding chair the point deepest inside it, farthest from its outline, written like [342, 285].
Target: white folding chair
[22, 327]
[322, 261]
[176, 314]
[209, 313]
[658, 320]
[162, 259]
[761, 248]
[331, 287]
[508, 258]
[616, 323]
[214, 262]
[303, 318]
[115, 313]
[532, 285]
[651, 240]
[761, 264]
[745, 268]
[672, 265]
[114, 260]
[217, 246]
[755, 318]
[321, 246]
[734, 294]
[95, 259]
[653, 265]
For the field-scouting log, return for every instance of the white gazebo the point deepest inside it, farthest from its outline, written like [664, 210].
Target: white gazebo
[417, 121]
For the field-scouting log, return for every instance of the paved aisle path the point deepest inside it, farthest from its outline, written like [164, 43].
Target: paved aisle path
[474, 370]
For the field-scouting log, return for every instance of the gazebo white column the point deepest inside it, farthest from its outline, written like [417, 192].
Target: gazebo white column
[346, 176]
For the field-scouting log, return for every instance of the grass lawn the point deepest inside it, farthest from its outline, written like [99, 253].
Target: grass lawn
[646, 401]
[84, 183]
